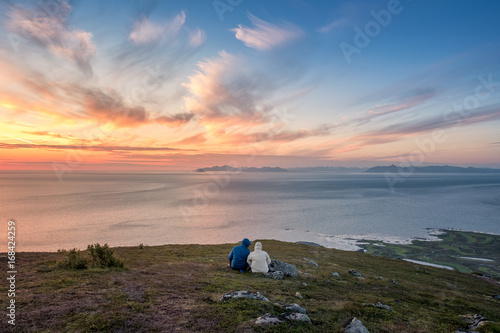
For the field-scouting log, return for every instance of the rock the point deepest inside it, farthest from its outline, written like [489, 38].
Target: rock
[383, 306]
[287, 269]
[243, 294]
[312, 263]
[379, 305]
[355, 326]
[298, 317]
[305, 284]
[278, 275]
[353, 272]
[305, 259]
[475, 321]
[294, 307]
[394, 282]
[268, 320]
[298, 295]
[496, 296]
[336, 274]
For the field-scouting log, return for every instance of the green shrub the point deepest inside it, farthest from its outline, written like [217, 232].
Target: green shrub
[73, 260]
[103, 257]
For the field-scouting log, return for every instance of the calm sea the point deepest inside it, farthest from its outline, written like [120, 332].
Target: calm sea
[330, 209]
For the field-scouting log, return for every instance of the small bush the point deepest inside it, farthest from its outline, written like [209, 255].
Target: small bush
[103, 257]
[73, 260]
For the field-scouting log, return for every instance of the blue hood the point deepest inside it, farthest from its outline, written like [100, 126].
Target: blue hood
[246, 242]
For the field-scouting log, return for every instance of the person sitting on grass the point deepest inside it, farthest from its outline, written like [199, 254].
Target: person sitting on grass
[238, 256]
[259, 260]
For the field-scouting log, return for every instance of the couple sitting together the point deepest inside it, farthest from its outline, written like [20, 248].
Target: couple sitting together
[241, 259]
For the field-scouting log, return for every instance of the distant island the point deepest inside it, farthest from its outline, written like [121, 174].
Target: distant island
[432, 169]
[378, 169]
[228, 168]
[328, 169]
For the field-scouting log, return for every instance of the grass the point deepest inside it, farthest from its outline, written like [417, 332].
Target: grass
[178, 287]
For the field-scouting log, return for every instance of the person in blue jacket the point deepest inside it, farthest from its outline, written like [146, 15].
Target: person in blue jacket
[238, 256]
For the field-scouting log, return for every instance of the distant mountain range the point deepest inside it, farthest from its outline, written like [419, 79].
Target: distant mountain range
[432, 169]
[229, 168]
[377, 169]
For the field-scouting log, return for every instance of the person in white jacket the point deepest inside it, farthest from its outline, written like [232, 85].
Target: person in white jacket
[259, 260]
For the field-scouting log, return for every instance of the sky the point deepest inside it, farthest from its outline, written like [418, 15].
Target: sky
[177, 85]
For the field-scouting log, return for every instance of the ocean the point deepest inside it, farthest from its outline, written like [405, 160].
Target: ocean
[331, 209]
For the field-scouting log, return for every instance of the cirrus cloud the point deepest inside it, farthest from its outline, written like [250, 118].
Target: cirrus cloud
[265, 36]
[146, 32]
[50, 31]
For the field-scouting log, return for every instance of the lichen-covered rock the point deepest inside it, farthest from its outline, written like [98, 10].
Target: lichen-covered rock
[379, 305]
[355, 326]
[243, 294]
[297, 317]
[287, 269]
[268, 320]
[294, 307]
[298, 295]
[312, 263]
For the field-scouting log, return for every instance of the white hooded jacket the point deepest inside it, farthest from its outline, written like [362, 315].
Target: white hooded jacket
[259, 260]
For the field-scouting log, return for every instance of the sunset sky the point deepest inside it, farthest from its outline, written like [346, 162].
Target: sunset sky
[173, 85]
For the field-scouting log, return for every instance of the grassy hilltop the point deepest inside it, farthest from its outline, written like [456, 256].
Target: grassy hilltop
[176, 288]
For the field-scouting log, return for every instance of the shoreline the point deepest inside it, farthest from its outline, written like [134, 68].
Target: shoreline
[345, 242]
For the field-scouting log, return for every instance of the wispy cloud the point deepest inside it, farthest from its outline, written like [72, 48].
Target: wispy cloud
[50, 134]
[84, 147]
[330, 26]
[265, 36]
[221, 90]
[197, 38]
[145, 31]
[51, 32]
[402, 130]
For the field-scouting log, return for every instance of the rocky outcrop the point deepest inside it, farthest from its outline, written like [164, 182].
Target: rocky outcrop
[294, 307]
[355, 326]
[270, 320]
[243, 294]
[287, 269]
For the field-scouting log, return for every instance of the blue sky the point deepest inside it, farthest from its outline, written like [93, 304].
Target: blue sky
[182, 84]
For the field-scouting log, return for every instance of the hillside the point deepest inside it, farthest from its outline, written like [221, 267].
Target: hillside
[177, 288]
